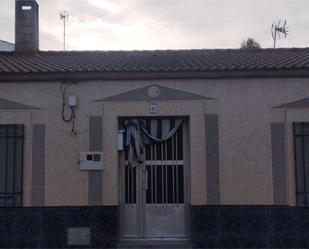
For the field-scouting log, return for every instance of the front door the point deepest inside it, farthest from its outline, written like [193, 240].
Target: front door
[154, 194]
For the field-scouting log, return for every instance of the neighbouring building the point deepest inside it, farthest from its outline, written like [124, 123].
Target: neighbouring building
[202, 148]
[6, 46]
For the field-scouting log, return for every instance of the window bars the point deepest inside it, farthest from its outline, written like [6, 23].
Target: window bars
[11, 165]
[301, 152]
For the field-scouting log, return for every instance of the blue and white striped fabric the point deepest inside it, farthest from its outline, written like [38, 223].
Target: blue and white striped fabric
[139, 132]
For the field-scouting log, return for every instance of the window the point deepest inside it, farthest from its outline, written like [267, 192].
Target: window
[11, 161]
[301, 147]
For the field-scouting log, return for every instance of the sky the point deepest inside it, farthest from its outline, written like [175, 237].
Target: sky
[163, 24]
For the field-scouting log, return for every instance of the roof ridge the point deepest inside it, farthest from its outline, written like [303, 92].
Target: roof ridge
[162, 50]
[176, 50]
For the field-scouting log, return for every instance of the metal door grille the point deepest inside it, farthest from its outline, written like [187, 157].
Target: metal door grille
[11, 161]
[165, 171]
[154, 192]
[165, 183]
[130, 185]
[164, 178]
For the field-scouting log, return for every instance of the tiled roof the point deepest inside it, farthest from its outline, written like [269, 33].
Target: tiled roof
[152, 63]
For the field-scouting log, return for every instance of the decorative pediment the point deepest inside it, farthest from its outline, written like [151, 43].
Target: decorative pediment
[301, 103]
[154, 93]
[12, 105]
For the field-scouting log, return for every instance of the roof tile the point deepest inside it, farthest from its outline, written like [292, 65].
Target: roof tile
[203, 60]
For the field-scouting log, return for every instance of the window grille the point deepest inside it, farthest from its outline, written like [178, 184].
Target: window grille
[11, 165]
[301, 152]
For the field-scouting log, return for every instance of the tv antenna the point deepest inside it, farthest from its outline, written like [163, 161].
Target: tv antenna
[278, 28]
[64, 15]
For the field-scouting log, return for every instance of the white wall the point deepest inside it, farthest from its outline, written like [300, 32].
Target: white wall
[244, 106]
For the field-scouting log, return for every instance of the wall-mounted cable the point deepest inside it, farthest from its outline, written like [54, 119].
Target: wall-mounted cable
[71, 104]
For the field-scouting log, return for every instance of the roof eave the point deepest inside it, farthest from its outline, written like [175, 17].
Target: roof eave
[279, 73]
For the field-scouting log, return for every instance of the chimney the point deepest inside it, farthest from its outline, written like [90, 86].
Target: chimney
[26, 26]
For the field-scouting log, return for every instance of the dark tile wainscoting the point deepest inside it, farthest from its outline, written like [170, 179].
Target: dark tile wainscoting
[250, 227]
[47, 227]
[212, 226]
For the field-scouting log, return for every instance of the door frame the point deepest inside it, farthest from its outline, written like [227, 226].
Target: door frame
[187, 184]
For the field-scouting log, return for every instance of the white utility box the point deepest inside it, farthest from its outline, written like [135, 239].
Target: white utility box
[72, 101]
[120, 145]
[91, 160]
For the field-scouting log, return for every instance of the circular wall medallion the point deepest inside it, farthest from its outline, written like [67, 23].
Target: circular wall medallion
[153, 92]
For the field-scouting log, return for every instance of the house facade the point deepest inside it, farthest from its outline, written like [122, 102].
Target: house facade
[205, 148]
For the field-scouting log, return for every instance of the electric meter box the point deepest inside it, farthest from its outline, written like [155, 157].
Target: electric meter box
[91, 160]
[72, 101]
